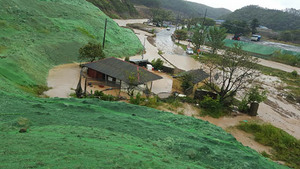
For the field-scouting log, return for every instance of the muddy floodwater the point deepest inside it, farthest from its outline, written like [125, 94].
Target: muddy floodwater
[175, 54]
[62, 79]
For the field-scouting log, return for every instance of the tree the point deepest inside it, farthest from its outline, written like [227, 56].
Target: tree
[236, 27]
[199, 37]
[180, 34]
[254, 24]
[91, 52]
[158, 64]
[216, 38]
[186, 82]
[160, 15]
[230, 72]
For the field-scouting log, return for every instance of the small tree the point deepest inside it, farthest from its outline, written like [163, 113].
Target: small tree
[199, 37]
[254, 24]
[180, 34]
[91, 52]
[229, 73]
[216, 37]
[158, 64]
[186, 82]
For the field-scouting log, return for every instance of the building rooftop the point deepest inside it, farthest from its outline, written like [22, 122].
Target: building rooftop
[122, 70]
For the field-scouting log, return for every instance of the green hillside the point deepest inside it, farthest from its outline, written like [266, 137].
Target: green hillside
[38, 34]
[116, 8]
[74, 133]
[273, 19]
[186, 8]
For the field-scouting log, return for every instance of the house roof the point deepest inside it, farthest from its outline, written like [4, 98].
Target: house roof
[122, 70]
[198, 75]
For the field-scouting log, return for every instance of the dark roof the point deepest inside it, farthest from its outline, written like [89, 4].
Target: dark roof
[198, 75]
[121, 70]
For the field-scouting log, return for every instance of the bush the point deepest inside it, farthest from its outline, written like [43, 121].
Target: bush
[212, 107]
[137, 100]
[153, 102]
[186, 82]
[103, 96]
[243, 106]
[127, 58]
[157, 64]
[287, 148]
[294, 73]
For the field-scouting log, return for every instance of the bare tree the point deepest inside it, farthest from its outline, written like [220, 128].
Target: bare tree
[230, 72]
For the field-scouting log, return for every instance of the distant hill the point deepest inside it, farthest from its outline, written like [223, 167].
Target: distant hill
[274, 19]
[185, 8]
[116, 8]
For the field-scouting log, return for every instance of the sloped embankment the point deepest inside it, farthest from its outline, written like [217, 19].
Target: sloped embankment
[37, 34]
[73, 133]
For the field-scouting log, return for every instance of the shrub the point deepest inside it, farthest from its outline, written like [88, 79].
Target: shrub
[243, 106]
[186, 82]
[127, 58]
[137, 100]
[287, 148]
[254, 95]
[294, 73]
[212, 107]
[157, 64]
[153, 102]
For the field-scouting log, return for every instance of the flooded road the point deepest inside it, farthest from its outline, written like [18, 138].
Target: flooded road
[173, 53]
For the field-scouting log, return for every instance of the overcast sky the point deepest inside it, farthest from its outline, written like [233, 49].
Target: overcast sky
[236, 4]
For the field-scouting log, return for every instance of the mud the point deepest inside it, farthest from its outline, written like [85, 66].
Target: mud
[62, 79]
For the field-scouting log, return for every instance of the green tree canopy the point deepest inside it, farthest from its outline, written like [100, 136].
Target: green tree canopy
[180, 34]
[216, 37]
[254, 24]
[91, 52]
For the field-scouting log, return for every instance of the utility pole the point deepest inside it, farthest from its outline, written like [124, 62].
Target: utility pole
[203, 28]
[104, 33]
[144, 48]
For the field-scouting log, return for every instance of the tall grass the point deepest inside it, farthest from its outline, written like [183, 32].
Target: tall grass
[287, 148]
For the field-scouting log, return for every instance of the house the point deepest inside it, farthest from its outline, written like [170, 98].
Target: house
[197, 75]
[116, 72]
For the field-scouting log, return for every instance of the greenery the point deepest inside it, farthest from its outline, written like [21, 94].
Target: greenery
[160, 15]
[236, 69]
[199, 36]
[184, 8]
[157, 64]
[102, 96]
[290, 36]
[91, 52]
[283, 21]
[180, 34]
[212, 107]
[254, 24]
[236, 27]
[287, 148]
[289, 59]
[127, 59]
[186, 82]
[216, 38]
[254, 95]
[116, 8]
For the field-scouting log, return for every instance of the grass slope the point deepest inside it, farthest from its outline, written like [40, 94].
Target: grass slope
[38, 34]
[73, 133]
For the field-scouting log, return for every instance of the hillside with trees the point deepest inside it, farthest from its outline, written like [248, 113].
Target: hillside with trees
[273, 19]
[116, 8]
[184, 8]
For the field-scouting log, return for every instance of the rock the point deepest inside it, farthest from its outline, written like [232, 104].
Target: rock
[23, 130]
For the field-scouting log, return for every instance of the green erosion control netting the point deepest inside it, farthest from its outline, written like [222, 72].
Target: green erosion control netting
[73, 133]
[38, 34]
[266, 51]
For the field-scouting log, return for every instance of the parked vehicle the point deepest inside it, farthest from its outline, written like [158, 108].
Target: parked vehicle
[237, 37]
[168, 28]
[255, 38]
[189, 51]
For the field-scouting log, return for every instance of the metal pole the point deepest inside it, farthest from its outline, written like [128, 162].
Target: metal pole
[144, 48]
[104, 33]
